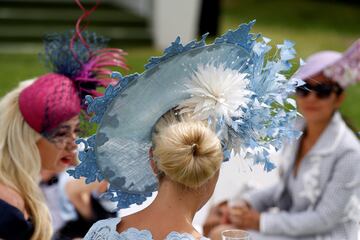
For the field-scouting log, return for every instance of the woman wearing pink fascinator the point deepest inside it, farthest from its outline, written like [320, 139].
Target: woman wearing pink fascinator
[39, 124]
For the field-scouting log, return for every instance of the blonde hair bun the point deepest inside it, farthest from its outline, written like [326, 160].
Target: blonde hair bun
[187, 152]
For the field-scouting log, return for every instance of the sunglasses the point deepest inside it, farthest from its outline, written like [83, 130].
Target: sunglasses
[322, 91]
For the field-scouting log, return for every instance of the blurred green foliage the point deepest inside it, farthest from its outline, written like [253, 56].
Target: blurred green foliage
[312, 25]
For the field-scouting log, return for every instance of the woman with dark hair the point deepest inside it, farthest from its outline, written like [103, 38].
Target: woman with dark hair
[318, 193]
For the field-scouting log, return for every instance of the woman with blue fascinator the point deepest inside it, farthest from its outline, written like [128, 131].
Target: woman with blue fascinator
[318, 195]
[170, 128]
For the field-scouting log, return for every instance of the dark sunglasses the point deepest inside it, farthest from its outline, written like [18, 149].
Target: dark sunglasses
[322, 91]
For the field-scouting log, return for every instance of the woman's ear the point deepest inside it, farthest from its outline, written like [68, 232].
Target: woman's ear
[339, 100]
[152, 162]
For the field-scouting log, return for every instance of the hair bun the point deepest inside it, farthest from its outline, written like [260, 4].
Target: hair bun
[194, 148]
[187, 152]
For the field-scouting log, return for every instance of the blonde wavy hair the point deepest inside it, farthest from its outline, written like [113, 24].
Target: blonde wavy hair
[20, 162]
[186, 151]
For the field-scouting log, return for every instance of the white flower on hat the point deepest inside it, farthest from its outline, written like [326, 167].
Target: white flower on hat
[216, 92]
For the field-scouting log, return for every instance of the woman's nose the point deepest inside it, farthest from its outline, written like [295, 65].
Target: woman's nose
[312, 96]
[71, 145]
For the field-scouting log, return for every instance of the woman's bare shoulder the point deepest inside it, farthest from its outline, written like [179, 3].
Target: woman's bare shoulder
[12, 197]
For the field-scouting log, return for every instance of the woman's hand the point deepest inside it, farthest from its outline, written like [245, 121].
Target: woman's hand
[218, 215]
[245, 217]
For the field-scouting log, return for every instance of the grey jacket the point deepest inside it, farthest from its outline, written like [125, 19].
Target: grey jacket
[323, 200]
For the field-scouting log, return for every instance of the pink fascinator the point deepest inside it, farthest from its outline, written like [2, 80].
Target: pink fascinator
[79, 63]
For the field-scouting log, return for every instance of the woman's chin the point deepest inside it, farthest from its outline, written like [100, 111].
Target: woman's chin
[316, 118]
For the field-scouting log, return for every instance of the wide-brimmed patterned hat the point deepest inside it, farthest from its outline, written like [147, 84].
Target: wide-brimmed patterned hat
[232, 84]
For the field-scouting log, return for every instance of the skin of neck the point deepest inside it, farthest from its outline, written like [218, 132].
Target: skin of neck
[315, 129]
[46, 175]
[172, 210]
[175, 199]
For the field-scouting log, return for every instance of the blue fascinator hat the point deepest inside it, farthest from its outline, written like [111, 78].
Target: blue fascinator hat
[232, 83]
